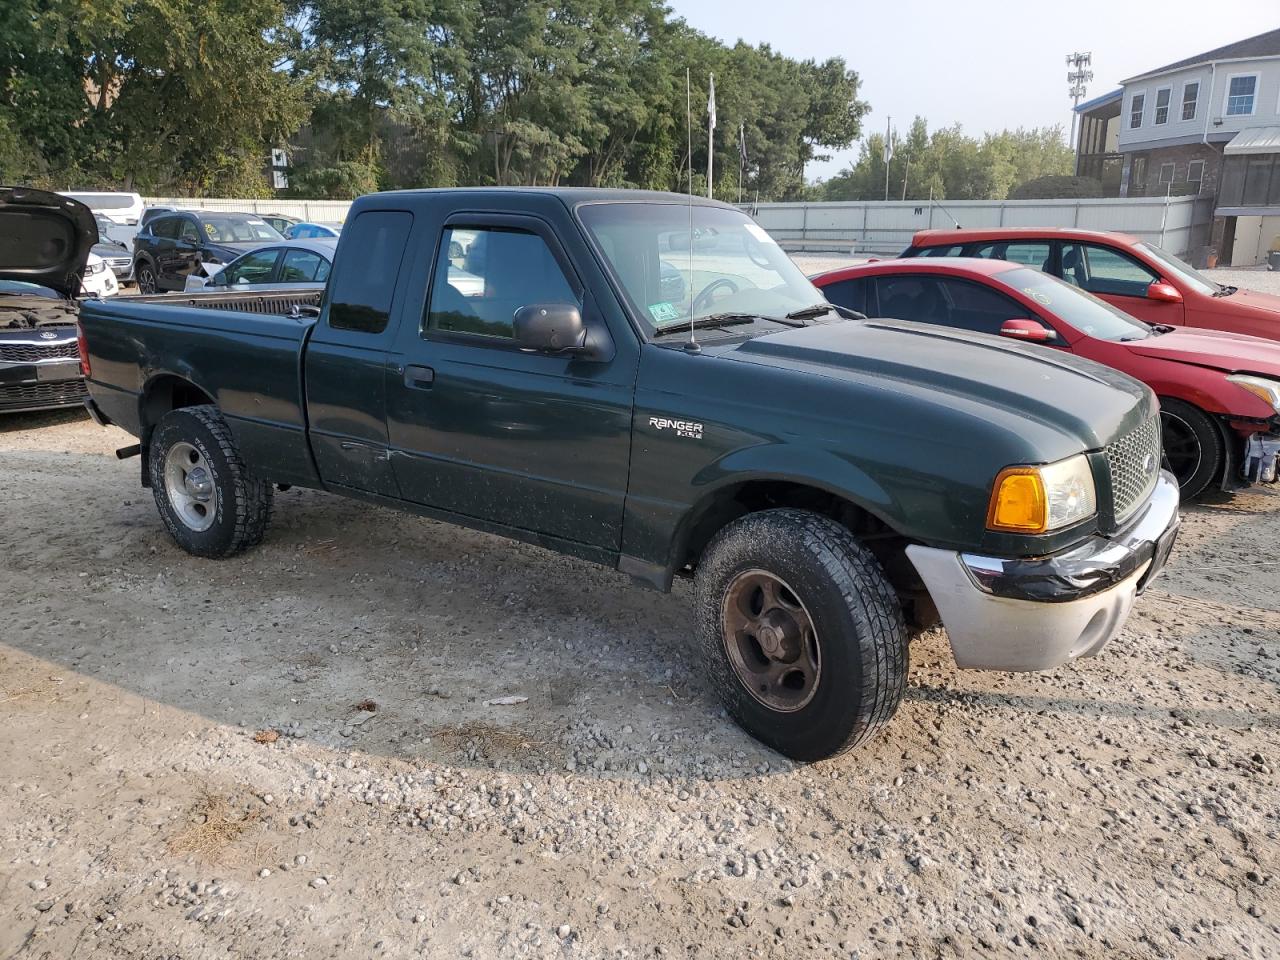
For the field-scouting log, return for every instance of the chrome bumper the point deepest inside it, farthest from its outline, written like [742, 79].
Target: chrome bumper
[1018, 614]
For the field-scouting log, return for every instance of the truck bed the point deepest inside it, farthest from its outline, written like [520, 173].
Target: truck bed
[241, 355]
[274, 302]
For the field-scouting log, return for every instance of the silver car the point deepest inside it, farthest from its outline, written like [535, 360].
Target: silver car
[288, 264]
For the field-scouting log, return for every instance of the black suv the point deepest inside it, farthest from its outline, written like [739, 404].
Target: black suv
[170, 248]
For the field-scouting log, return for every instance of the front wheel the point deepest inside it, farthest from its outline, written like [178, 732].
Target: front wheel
[146, 278]
[801, 632]
[209, 503]
[1193, 446]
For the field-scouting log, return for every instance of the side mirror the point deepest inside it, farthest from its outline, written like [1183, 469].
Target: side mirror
[1163, 292]
[1030, 330]
[549, 328]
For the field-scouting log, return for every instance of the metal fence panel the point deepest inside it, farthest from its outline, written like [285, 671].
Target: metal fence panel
[315, 211]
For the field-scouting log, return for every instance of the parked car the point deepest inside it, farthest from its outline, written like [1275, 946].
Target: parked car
[306, 231]
[46, 244]
[98, 280]
[123, 208]
[821, 479]
[1219, 392]
[1138, 277]
[290, 263]
[114, 251]
[280, 221]
[173, 247]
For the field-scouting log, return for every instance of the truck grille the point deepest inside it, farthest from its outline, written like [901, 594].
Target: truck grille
[31, 352]
[55, 393]
[1134, 463]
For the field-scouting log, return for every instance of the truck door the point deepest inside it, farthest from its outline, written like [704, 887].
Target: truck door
[346, 357]
[479, 428]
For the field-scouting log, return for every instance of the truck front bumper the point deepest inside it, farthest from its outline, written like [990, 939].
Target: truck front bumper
[1035, 614]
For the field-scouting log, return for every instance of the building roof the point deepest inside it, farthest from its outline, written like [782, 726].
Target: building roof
[1100, 101]
[1263, 45]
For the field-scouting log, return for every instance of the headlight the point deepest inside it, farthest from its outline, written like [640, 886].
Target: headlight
[1264, 389]
[96, 267]
[1040, 499]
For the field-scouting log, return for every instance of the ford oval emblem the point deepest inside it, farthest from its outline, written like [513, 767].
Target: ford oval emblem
[48, 335]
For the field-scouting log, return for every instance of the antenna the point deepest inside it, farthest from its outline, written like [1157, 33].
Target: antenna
[692, 346]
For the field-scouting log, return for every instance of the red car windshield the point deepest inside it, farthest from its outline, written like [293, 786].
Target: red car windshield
[1082, 310]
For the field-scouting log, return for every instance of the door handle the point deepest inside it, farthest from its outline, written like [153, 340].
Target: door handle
[419, 378]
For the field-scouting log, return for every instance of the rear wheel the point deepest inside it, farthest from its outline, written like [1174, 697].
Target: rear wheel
[1193, 446]
[209, 503]
[801, 632]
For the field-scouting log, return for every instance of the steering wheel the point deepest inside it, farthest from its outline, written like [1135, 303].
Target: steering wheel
[703, 299]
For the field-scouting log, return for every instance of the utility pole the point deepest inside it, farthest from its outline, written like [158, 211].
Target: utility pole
[906, 173]
[887, 152]
[1077, 77]
[711, 131]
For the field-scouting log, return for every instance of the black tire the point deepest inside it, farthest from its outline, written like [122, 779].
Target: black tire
[147, 278]
[856, 617]
[1193, 446]
[241, 505]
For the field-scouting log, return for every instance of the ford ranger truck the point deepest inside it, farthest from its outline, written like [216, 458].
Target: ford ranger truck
[648, 382]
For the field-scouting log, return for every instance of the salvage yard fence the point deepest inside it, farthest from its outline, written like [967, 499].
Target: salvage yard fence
[1179, 224]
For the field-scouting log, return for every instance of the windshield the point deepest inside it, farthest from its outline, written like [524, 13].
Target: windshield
[1082, 310]
[230, 229]
[1184, 271]
[23, 289]
[731, 267]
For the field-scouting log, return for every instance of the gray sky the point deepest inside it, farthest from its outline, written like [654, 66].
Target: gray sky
[987, 64]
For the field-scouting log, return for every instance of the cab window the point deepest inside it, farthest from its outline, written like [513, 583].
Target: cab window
[484, 275]
[188, 232]
[165, 227]
[365, 281]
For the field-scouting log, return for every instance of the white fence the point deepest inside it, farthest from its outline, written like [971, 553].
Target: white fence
[887, 227]
[314, 211]
[876, 226]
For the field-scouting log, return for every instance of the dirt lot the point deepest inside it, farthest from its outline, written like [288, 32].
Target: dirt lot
[291, 754]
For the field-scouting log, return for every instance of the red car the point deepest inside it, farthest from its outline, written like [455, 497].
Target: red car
[1138, 277]
[1219, 392]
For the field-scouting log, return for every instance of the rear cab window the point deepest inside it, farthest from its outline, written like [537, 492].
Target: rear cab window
[364, 282]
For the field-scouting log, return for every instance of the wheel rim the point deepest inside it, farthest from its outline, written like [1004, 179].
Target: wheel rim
[1181, 447]
[146, 280]
[189, 485]
[771, 641]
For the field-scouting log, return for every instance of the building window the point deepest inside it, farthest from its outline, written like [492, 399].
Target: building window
[1166, 173]
[1190, 94]
[1162, 105]
[1195, 173]
[1240, 95]
[1136, 106]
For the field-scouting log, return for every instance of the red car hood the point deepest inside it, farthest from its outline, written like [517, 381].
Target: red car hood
[1232, 352]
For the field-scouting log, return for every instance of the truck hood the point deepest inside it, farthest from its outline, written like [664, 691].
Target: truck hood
[1215, 349]
[1091, 402]
[45, 238]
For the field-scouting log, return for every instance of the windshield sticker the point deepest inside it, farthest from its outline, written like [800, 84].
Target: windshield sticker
[759, 233]
[662, 312]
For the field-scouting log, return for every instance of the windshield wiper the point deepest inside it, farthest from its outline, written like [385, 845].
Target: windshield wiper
[809, 312]
[721, 320]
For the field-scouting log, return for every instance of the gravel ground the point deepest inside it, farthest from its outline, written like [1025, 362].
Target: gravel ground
[297, 753]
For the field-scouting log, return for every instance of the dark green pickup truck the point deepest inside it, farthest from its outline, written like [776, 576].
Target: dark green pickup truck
[650, 383]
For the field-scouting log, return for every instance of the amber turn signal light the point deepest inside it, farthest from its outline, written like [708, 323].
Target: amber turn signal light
[1018, 501]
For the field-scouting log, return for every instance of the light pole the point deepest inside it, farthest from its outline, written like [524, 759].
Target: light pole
[1077, 77]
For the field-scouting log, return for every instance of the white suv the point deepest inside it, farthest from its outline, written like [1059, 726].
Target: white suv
[122, 208]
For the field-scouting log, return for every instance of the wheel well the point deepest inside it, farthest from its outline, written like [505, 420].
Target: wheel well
[165, 394]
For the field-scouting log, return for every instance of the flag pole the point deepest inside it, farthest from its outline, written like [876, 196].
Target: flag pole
[711, 132]
[742, 157]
